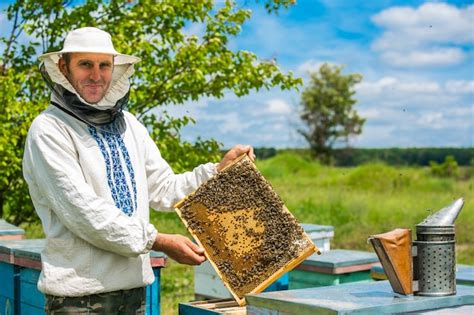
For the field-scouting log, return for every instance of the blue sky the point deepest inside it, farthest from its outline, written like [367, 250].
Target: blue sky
[416, 58]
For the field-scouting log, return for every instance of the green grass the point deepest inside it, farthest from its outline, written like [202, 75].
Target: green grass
[358, 202]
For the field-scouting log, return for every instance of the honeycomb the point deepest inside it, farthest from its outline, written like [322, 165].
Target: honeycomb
[248, 234]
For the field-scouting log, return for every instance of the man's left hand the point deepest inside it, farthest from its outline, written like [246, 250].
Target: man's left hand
[234, 153]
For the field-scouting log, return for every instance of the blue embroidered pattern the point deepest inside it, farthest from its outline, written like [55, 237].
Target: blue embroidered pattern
[116, 177]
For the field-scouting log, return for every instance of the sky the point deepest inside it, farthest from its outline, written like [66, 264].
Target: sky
[416, 59]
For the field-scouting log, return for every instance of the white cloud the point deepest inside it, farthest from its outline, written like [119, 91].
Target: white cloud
[438, 57]
[430, 35]
[445, 119]
[433, 120]
[460, 86]
[374, 135]
[407, 110]
[431, 22]
[309, 66]
[394, 85]
[460, 112]
[370, 113]
[391, 90]
[227, 122]
[312, 65]
[278, 106]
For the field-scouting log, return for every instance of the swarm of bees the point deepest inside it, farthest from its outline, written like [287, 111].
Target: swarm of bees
[243, 225]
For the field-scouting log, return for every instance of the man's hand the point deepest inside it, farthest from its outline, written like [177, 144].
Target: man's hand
[234, 153]
[179, 248]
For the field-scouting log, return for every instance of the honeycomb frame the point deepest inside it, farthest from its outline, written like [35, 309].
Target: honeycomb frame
[249, 236]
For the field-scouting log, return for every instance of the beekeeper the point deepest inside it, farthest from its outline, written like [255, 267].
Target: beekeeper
[93, 173]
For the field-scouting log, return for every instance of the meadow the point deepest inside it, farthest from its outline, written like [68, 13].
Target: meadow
[358, 201]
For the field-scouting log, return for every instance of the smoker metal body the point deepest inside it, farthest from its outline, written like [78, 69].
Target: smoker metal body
[435, 262]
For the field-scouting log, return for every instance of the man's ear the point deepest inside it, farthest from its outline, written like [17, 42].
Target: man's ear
[62, 66]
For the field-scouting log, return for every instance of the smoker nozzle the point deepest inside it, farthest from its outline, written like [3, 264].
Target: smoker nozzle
[445, 216]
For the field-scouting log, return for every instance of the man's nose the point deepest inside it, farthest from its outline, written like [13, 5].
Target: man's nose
[95, 74]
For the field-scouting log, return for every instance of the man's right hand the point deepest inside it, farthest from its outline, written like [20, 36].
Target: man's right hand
[179, 248]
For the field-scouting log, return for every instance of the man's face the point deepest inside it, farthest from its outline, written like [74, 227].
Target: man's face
[89, 73]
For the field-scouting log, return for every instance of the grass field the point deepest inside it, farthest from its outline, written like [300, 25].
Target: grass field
[357, 201]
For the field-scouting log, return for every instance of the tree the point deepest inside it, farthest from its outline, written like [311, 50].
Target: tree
[449, 168]
[175, 68]
[327, 110]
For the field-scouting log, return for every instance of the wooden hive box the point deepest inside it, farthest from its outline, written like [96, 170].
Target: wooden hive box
[212, 307]
[248, 234]
[10, 232]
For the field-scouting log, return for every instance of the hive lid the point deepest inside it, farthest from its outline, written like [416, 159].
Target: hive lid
[317, 228]
[337, 258]
[249, 236]
[9, 229]
[156, 254]
[10, 246]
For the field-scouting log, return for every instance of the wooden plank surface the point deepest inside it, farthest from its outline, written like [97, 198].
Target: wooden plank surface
[354, 298]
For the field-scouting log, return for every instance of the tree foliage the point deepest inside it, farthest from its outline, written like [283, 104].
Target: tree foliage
[328, 110]
[176, 67]
[402, 156]
[449, 168]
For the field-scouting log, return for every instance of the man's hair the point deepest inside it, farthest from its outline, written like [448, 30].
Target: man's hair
[67, 58]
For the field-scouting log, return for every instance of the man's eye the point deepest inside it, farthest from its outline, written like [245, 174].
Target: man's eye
[105, 66]
[85, 64]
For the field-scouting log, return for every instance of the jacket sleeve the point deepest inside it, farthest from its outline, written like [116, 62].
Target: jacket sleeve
[51, 166]
[166, 188]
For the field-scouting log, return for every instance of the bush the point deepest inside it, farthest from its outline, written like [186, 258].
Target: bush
[378, 177]
[265, 153]
[449, 168]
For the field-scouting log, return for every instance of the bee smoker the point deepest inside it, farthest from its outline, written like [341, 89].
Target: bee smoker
[434, 265]
[428, 265]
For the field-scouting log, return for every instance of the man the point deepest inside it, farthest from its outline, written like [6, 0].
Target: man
[93, 173]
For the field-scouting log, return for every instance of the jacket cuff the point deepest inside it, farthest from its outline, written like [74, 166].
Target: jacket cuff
[209, 170]
[153, 232]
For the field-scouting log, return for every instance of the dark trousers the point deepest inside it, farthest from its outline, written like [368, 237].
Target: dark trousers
[117, 302]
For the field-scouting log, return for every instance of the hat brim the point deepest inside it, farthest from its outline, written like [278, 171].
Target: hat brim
[119, 58]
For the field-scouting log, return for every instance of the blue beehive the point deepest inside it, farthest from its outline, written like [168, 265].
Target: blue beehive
[10, 232]
[10, 274]
[29, 260]
[153, 303]
[333, 267]
[20, 266]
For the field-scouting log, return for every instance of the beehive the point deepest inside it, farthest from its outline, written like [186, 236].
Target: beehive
[248, 234]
